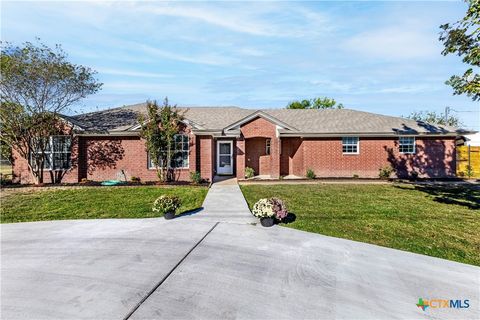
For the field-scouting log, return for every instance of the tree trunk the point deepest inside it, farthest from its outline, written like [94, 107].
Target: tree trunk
[169, 156]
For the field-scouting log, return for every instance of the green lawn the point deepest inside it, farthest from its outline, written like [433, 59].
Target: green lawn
[5, 169]
[94, 202]
[436, 221]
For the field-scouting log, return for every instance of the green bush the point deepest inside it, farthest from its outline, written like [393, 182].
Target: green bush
[165, 204]
[249, 173]
[310, 174]
[385, 172]
[135, 179]
[195, 177]
[355, 176]
[470, 173]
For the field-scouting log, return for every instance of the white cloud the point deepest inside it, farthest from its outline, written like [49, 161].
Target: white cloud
[200, 58]
[266, 19]
[131, 73]
[397, 42]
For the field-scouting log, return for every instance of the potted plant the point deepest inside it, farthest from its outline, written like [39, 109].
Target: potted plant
[167, 205]
[269, 210]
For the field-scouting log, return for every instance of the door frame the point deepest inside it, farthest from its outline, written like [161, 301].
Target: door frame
[231, 157]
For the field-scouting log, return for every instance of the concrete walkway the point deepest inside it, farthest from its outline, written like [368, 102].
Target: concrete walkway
[224, 203]
[193, 269]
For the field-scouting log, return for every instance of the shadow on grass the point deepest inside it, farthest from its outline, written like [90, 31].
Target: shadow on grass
[459, 194]
[291, 217]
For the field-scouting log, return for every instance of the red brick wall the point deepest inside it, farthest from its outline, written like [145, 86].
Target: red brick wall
[291, 159]
[105, 158]
[240, 158]
[255, 134]
[206, 154]
[256, 157]
[433, 158]
[21, 173]
[108, 158]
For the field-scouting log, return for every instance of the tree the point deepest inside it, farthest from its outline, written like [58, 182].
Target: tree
[435, 118]
[316, 103]
[37, 84]
[463, 39]
[158, 128]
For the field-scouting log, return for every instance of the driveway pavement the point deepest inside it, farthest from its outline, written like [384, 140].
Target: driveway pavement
[153, 268]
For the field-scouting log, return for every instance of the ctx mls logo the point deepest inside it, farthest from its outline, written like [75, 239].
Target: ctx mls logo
[443, 303]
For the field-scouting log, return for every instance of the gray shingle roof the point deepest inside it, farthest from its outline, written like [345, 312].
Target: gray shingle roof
[330, 121]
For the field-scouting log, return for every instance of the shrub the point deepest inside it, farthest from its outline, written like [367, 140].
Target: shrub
[414, 175]
[135, 179]
[5, 180]
[270, 208]
[469, 171]
[385, 172]
[165, 204]
[310, 174]
[279, 208]
[355, 176]
[195, 177]
[249, 173]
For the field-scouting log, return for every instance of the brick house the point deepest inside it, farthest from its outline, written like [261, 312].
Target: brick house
[275, 143]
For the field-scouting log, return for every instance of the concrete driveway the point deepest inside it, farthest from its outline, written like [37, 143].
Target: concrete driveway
[152, 269]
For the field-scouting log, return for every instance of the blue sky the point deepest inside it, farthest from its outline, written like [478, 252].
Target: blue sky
[375, 56]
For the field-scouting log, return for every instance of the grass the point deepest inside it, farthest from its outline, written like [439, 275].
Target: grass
[5, 169]
[94, 203]
[436, 221]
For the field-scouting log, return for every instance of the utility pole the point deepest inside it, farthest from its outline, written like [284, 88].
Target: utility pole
[447, 110]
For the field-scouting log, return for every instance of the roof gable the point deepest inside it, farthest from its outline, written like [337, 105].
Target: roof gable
[259, 114]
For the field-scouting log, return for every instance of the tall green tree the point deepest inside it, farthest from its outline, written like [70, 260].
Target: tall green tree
[158, 128]
[315, 103]
[463, 39]
[37, 85]
[436, 118]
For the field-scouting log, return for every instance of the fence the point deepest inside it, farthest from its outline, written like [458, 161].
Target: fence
[468, 162]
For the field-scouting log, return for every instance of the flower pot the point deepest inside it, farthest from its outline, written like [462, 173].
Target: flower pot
[266, 222]
[169, 215]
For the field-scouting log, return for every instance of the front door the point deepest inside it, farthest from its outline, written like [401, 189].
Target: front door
[224, 157]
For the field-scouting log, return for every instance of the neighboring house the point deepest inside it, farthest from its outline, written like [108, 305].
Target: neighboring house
[472, 140]
[277, 142]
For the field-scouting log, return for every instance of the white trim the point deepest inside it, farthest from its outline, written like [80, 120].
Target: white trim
[261, 114]
[268, 146]
[149, 167]
[358, 146]
[52, 152]
[231, 157]
[414, 145]
[184, 121]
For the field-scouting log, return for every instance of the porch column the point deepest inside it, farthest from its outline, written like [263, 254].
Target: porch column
[275, 156]
[240, 163]
[193, 153]
[206, 157]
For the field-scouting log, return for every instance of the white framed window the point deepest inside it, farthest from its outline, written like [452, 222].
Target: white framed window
[268, 143]
[180, 157]
[57, 153]
[406, 144]
[350, 145]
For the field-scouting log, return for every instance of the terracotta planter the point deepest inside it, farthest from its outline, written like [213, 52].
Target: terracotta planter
[169, 215]
[267, 222]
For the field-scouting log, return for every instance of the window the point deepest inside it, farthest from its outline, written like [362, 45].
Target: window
[57, 153]
[350, 145]
[268, 142]
[179, 153]
[406, 144]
